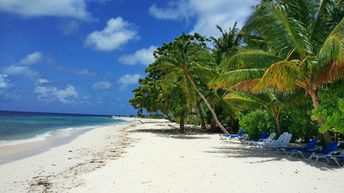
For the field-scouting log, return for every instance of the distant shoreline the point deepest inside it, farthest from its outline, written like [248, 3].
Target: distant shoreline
[62, 113]
[12, 150]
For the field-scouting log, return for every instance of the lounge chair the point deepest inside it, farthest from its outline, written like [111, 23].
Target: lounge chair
[337, 158]
[326, 153]
[310, 145]
[232, 136]
[262, 138]
[282, 141]
[267, 140]
[272, 142]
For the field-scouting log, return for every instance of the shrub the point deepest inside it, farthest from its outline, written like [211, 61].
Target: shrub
[256, 122]
[298, 122]
[331, 108]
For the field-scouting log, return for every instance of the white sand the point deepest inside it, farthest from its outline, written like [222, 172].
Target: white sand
[163, 162]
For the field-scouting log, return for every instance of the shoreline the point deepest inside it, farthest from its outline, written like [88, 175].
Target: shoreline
[149, 156]
[86, 152]
[13, 150]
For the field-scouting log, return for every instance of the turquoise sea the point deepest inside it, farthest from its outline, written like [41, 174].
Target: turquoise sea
[20, 127]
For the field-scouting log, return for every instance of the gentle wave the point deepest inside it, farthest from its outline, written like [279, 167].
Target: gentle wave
[65, 132]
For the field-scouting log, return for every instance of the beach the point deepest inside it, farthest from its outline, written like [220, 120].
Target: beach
[147, 155]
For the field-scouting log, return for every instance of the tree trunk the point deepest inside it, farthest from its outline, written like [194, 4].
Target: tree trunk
[208, 105]
[315, 100]
[203, 124]
[278, 121]
[212, 121]
[181, 125]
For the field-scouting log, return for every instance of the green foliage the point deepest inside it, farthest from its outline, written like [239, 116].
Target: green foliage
[257, 74]
[331, 109]
[154, 116]
[256, 122]
[298, 122]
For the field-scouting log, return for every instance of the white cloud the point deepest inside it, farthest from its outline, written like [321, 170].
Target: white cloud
[85, 72]
[176, 10]
[207, 13]
[36, 8]
[127, 80]
[32, 58]
[102, 85]
[143, 56]
[65, 95]
[23, 68]
[3, 81]
[19, 70]
[117, 33]
[42, 81]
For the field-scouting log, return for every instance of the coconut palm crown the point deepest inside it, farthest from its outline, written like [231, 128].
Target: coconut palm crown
[303, 47]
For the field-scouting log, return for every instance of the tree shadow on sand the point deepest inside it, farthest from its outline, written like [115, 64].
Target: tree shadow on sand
[268, 155]
[191, 132]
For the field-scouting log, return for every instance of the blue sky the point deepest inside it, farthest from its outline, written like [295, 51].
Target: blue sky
[85, 56]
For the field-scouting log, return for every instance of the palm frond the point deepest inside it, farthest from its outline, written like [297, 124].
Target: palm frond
[231, 78]
[246, 85]
[332, 50]
[204, 73]
[242, 101]
[280, 77]
[272, 21]
[249, 58]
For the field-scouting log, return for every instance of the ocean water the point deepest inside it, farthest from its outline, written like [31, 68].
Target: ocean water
[22, 127]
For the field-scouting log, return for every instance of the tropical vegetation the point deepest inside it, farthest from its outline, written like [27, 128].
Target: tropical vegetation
[283, 71]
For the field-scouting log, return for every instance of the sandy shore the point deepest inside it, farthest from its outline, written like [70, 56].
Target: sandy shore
[147, 156]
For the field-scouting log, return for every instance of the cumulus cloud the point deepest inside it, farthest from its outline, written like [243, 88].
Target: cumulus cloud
[207, 14]
[102, 85]
[117, 33]
[85, 72]
[143, 56]
[19, 70]
[64, 95]
[32, 58]
[42, 81]
[176, 10]
[127, 80]
[23, 68]
[36, 8]
[3, 81]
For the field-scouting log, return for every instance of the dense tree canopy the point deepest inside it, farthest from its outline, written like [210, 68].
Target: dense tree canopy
[281, 60]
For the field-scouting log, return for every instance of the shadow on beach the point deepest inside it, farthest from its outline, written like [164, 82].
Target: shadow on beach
[269, 155]
[228, 150]
[191, 132]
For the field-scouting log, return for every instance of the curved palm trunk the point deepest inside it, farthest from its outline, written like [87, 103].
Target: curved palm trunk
[278, 121]
[203, 124]
[181, 125]
[208, 105]
[315, 100]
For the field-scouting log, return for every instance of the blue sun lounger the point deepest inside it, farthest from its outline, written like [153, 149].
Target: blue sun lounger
[263, 137]
[337, 158]
[310, 145]
[331, 147]
[233, 136]
[326, 153]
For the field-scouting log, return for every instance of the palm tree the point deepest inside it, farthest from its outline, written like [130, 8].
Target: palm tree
[304, 49]
[186, 57]
[227, 43]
